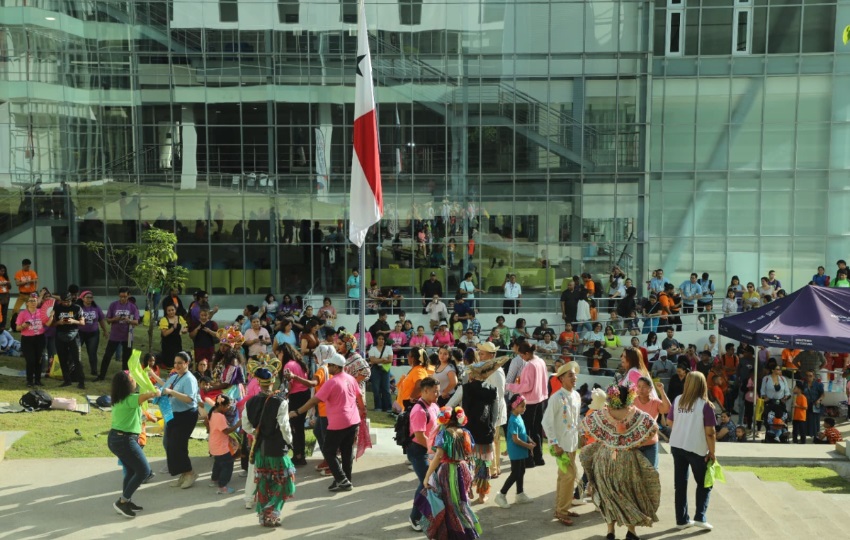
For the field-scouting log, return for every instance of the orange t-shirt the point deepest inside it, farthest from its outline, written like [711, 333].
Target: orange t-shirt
[555, 383]
[717, 392]
[5, 285]
[800, 401]
[590, 286]
[322, 376]
[788, 356]
[567, 339]
[408, 383]
[219, 443]
[21, 275]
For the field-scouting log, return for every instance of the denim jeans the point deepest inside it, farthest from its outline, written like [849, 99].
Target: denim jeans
[381, 389]
[319, 430]
[682, 461]
[91, 340]
[417, 455]
[126, 447]
[650, 451]
[222, 469]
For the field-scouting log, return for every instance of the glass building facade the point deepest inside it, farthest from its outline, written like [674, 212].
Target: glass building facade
[548, 138]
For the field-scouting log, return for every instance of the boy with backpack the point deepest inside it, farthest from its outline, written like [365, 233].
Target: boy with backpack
[422, 418]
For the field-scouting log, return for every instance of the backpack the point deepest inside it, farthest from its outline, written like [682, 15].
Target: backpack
[401, 430]
[36, 400]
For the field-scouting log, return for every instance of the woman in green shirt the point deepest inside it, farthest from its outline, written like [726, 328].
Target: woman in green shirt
[123, 440]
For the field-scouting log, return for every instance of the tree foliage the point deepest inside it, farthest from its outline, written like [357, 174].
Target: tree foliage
[149, 264]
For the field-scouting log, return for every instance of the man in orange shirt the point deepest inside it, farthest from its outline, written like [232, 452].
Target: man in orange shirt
[27, 281]
[788, 356]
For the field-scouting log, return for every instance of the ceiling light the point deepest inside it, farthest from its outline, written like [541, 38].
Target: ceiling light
[50, 18]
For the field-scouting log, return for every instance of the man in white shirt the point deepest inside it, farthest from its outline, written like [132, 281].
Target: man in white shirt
[561, 423]
[436, 311]
[513, 293]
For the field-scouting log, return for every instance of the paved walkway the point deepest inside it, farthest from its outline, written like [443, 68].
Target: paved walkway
[72, 498]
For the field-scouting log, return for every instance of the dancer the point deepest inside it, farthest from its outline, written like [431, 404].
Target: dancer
[266, 416]
[123, 439]
[447, 482]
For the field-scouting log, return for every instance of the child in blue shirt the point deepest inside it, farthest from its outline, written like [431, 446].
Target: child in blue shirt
[519, 446]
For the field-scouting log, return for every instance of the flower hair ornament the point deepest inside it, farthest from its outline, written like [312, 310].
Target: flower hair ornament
[264, 361]
[614, 400]
[445, 415]
[230, 336]
[349, 339]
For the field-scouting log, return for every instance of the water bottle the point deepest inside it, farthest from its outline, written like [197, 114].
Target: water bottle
[829, 388]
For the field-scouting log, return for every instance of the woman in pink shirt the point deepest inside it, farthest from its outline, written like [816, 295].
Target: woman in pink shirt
[31, 323]
[442, 336]
[399, 340]
[651, 405]
[532, 386]
[420, 339]
[295, 371]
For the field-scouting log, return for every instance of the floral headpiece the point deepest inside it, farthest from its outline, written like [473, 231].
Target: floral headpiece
[349, 339]
[264, 361]
[614, 400]
[230, 336]
[445, 415]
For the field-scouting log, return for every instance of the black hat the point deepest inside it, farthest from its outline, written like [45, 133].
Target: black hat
[684, 365]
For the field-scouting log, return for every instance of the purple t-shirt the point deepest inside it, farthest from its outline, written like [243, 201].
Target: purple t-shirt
[92, 315]
[120, 330]
[708, 418]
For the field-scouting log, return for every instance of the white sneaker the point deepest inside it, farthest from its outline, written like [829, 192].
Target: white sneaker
[249, 505]
[502, 501]
[684, 526]
[414, 525]
[703, 525]
[213, 484]
[522, 498]
[243, 474]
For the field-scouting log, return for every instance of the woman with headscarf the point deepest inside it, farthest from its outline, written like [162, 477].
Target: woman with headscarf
[625, 486]
[357, 367]
[267, 415]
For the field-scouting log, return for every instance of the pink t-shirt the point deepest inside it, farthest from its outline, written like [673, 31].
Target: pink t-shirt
[340, 397]
[296, 369]
[218, 440]
[36, 321]
[650, 408]
[418, 421]
[532, 382]
[417, 341]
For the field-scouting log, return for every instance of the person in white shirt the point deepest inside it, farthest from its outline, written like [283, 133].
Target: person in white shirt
[380, 361]
[561, 425]
[692, 443]
[547, 348]
[513, 294]
[468, 289]
[436, 311]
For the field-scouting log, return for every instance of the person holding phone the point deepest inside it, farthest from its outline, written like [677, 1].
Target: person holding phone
[123, 317]
[171, 327]
[257, 338]
[67, 318]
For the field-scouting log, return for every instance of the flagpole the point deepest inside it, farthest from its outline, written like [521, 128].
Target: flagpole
[362, 337]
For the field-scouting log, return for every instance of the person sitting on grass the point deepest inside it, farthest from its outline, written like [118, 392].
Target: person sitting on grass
[829, 435]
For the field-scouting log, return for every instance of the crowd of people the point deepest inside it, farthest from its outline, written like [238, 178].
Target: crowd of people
[280, 368]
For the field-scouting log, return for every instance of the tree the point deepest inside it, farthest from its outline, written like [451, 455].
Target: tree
[144, 266]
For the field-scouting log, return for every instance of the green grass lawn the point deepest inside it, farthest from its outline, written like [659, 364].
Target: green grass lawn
[51, 433]
[801, 478]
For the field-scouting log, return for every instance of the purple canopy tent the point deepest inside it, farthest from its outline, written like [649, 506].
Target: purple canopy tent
[812, 318]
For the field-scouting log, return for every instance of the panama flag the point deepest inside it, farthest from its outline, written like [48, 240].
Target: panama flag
[367, 201]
